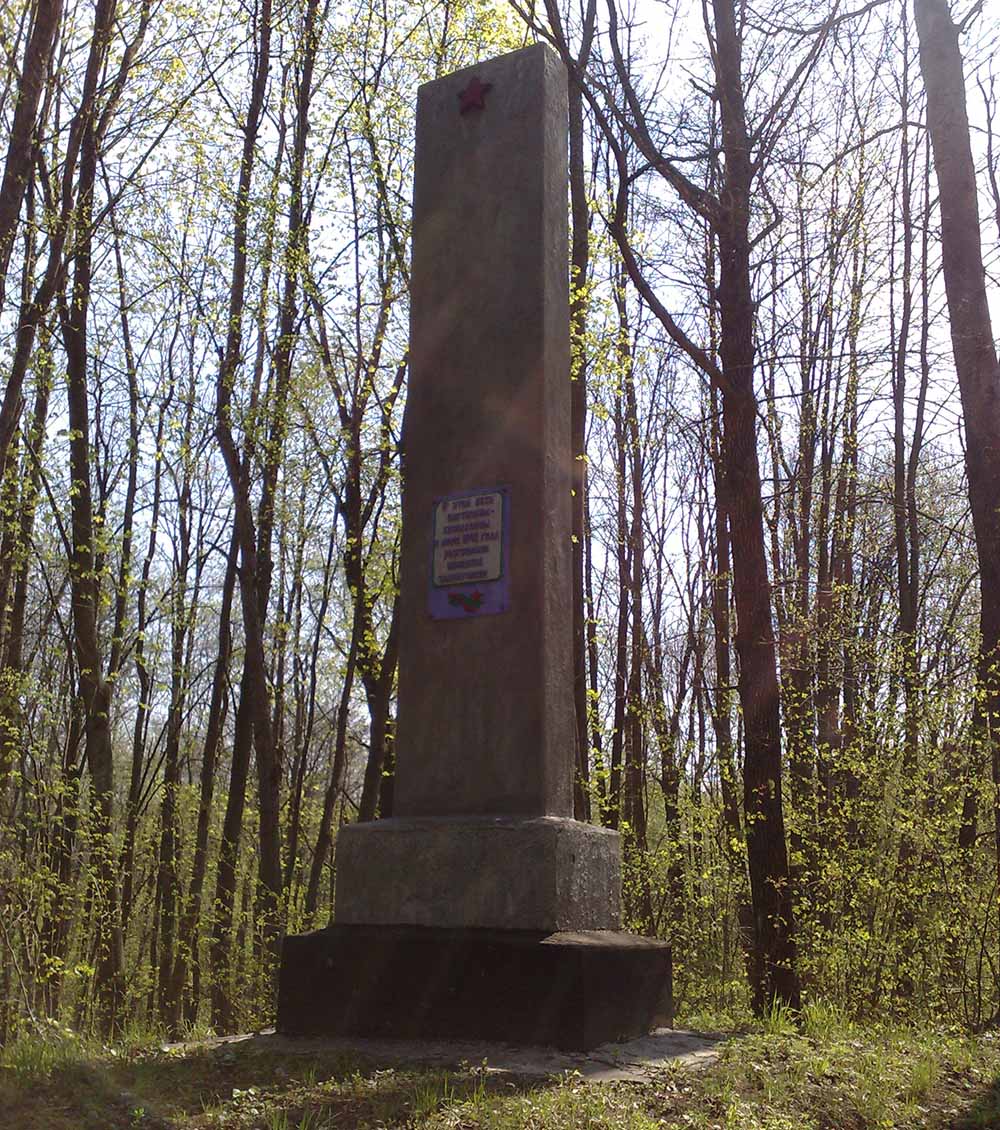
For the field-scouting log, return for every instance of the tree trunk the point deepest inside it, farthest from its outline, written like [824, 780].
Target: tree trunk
[169, 822]
[774, 932]
[95, 690]
[223, 1015]
[579, 264]
[378, 690]
[187, 939]
[972, 340]
[21, 141]
[325, 836]
[254, 575]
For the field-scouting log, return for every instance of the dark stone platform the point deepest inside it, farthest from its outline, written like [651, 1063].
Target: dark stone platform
[567, 990]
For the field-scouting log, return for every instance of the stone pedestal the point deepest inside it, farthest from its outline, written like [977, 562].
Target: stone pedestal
[548, 874]
[451, 918]
[570, 990]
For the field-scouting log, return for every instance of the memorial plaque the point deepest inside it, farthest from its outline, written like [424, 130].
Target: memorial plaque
[470, 554]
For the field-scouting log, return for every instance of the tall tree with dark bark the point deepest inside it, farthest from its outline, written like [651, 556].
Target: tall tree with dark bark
[45, 19]
[727, 210]
[253, 714]
[972, 339]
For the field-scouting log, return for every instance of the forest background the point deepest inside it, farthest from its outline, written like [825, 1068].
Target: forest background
[783, 629]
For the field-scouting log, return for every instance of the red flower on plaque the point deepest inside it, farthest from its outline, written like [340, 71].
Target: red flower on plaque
[473, 97]
[470, 602]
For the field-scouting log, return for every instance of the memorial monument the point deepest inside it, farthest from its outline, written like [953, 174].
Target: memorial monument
[481, 908]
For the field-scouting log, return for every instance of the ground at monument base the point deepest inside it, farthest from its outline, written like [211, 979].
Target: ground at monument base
[629, 1060]
[832, 1075]
[568, 990]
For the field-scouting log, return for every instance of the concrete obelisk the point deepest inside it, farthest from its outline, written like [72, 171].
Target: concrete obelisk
[485, 728]
[482, 887]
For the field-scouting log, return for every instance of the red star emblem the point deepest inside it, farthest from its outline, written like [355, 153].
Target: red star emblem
[473, 97]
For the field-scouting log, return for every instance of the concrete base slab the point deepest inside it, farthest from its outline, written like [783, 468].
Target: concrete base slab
[544, 873]
[568, 990]
[632, 1060]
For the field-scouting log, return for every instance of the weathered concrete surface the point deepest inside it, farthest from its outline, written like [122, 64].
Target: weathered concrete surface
[545, 873]
[486, 724]
[634, 1060]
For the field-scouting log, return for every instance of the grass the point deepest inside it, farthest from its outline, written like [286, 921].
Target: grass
[826, 1075]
